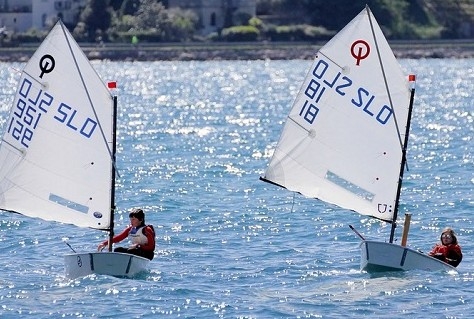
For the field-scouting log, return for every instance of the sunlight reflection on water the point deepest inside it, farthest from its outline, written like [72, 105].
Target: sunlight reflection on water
[194, 137]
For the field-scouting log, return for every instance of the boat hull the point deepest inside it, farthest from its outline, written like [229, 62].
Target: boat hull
[380, 256]
[104, 263]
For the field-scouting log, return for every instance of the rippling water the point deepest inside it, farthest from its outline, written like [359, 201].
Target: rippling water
[194, 137]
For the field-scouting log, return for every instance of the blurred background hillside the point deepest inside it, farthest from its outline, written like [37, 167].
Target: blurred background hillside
[150, 21]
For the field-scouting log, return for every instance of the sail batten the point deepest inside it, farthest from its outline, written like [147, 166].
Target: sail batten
[341, 142]
[55, 158]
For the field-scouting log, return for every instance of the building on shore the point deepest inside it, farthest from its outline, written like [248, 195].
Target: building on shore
[214, 15]
[23, 15]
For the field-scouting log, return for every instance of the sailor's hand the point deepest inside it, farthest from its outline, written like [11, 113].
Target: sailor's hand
[439, 256]
[101, 246]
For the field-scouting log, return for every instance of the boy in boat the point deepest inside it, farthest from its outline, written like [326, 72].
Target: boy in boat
[142, 237]
[448, 249]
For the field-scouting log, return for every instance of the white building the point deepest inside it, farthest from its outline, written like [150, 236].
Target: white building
[215, 14]
[22, 15]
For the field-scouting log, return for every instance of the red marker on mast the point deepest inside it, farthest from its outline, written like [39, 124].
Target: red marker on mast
[412, 80]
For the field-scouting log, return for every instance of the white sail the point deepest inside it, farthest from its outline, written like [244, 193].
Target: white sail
[342, 142]
[55, 155]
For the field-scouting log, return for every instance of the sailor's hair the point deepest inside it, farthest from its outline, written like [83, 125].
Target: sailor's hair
[138, 214]
[449, 230]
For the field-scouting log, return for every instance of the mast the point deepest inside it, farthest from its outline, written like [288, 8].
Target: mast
[404, 160]
[403, 144]
[112, 183]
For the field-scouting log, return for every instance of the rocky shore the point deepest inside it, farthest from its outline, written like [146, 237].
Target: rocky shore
[241, 51]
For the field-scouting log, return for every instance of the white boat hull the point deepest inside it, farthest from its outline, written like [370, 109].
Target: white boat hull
[380, 256]
[104, 263]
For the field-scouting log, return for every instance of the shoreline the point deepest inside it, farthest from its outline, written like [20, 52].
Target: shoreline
[241, 51]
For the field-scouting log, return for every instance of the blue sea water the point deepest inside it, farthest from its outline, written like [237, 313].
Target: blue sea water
[194, 137]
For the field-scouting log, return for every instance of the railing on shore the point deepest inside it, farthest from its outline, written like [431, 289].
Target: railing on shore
[242, 50]
[466, 43]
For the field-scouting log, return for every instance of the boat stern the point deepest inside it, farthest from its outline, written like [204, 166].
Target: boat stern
[103, 263]
[380, 256]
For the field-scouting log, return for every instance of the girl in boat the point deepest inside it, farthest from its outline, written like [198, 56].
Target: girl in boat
[142, 237]
[448, 249]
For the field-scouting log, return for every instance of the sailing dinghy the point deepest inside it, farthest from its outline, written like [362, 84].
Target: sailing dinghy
[57, 155]
[345, 139]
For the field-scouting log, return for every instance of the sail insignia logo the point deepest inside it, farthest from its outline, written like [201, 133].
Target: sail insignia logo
[46, 64]
[97, 214]
[360, 50]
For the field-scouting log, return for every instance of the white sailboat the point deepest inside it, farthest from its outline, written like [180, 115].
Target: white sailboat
[57, 155]
[345, 139]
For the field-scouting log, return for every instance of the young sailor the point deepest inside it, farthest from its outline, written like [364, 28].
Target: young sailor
[448, 250]
[142, 237]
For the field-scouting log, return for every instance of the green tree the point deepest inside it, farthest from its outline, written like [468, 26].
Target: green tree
[334, 14]
[398, 19]
[391, 15]
[151, 15]
[183, 24]
[125, 7]
[95, 19]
